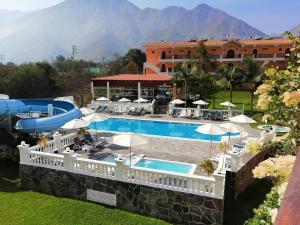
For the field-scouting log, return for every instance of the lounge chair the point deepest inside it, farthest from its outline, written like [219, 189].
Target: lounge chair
[137, 112]
[189, 113]
[183, 113]
[206, 115]
[77, 144]
[89, 140]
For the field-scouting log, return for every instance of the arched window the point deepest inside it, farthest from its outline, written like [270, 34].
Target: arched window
[230, 54]
[287, 53]
[163, 68]
[163, 55]
[255, 53]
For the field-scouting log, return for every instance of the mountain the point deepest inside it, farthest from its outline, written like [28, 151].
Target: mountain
[102, 28]
[296, 30]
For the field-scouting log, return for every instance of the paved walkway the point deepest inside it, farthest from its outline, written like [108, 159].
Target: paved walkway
[173, 149]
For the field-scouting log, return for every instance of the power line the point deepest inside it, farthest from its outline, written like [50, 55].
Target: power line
[74, 51]
[2, 58]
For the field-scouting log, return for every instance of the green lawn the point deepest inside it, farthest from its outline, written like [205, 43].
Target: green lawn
[238, 98]
[26, 207]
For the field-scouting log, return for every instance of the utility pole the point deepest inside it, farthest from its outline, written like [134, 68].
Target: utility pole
[2, 58]
[74, 51]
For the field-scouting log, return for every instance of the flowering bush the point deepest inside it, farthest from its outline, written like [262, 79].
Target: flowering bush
[279, 168]
[43, 141]
[254, 147]
[279, 97]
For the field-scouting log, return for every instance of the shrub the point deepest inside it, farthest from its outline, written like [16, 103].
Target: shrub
[208, 166]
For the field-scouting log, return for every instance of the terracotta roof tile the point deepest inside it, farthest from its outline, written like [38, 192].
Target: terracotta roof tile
[135, 77]
[216, 43]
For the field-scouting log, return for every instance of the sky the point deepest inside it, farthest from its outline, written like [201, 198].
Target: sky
[270, 16]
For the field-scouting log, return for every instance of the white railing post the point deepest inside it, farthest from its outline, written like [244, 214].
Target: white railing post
[234, 161]
[69, 158]
[219, 185]
[58, 144]
[120, 168]
[24, 152]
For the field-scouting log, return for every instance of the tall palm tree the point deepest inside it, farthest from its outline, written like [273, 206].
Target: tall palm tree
[253, 74]
[229, 73]
[183, 74]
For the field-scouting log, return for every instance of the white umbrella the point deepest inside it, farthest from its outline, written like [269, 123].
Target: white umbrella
[85, 111]
[242, 119]
[141, 100]
[102, 99]
[200, 102]
[75, 124]
[93, 118]
[211, 129]
[232, 128]
[177, 102]
[228, 104]
[128, 140]
[124, 100]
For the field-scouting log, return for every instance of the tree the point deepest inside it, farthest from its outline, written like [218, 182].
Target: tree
[137, 57]
[203, 61]
[253, 74]
[229, 73]
[183, 74]
[279, 97]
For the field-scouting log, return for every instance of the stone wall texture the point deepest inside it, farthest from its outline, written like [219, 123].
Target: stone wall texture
[237, 182]
[172, 206]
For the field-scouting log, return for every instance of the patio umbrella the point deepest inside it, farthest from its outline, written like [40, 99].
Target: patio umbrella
[141, 100]
[85, 111]
[75, 124]
[124, 100]
[211, 130]
[200, 102]
[228, 104]
[129, 140]
[93, 118]
[177, 102]
[104, 99]
[242, 119]
[231, 128]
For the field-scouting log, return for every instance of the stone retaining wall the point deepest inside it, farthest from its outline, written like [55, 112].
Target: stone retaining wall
[236, 182]
[172, 206]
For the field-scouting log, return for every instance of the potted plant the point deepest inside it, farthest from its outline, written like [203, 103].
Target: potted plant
[208, 166]
[43, 141]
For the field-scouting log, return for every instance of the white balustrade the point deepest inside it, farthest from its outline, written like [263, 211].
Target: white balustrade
[47, 160]
[69, 161]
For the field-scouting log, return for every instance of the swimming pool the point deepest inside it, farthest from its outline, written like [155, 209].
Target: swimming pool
[156, 164]
[159, 128]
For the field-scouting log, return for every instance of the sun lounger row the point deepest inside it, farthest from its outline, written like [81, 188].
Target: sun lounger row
[199, 114]
[88, 144]
[138, 111]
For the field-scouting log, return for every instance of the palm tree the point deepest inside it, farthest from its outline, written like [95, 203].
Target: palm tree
[229, 73]
[183, 74]
[253, 74]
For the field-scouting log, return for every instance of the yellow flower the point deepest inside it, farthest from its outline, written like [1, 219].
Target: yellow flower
[271, 72]
[291, 99]
[254, 147]
[263, 89]
[264, 102]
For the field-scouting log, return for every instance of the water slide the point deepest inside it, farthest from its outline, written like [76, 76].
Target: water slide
[63, 112]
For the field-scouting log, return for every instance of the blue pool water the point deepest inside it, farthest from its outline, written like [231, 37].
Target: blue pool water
[166, 166]
[168, 129]
[155, 164]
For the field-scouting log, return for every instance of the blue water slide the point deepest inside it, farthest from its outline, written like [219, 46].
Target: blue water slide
[63, 112]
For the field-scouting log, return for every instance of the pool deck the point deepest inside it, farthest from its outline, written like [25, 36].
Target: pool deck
[165, 148]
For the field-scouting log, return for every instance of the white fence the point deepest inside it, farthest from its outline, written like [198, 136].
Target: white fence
[200, 185]
[239, 159]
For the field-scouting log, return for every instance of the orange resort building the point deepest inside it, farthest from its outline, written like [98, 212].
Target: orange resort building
[163, 56]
